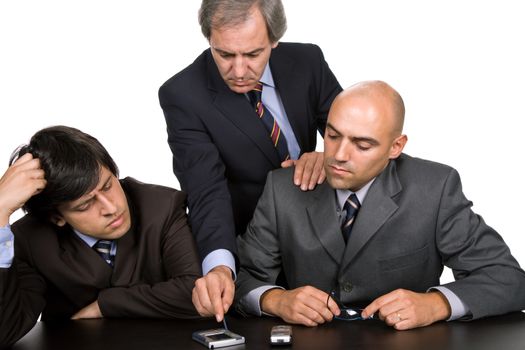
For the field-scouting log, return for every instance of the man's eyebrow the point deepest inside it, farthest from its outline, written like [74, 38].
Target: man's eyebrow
[221, 51]
[255, 51]
[328, 125]
[108, 180]
[225, 52]
[355, 139]
[87, 200]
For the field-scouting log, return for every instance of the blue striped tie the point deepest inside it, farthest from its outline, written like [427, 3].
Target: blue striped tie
[351, 206]
[103, 248]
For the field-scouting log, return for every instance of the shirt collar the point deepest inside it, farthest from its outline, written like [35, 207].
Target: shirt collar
[342, 195]
[90, 241]
[267, 77]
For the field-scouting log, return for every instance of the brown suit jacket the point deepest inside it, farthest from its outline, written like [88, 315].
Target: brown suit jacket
[55, 273]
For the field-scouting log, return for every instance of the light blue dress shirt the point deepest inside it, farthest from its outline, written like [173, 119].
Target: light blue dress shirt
[272, 101]
[6, 246]
[90, 241]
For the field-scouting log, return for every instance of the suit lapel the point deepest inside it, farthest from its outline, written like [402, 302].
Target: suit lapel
[323, 218]
[378, 206]
[285, 77]
[126, 258]
[80, 267]
[238, 110]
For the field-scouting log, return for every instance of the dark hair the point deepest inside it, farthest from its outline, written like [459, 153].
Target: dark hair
[220, 13]
[71, 161]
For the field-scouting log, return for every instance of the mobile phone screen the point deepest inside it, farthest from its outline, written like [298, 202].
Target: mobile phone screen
[218, 336]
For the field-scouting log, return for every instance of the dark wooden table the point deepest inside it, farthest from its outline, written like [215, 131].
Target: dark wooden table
[500, 333]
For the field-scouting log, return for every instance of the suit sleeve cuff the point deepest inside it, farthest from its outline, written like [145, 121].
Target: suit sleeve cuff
[458, 308]
[251, 302]
[7, 240]
[219, 257]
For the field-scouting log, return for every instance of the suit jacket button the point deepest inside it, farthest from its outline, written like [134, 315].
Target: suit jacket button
[347, 287]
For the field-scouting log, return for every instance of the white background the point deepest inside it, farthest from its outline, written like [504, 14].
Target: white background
[459, 65]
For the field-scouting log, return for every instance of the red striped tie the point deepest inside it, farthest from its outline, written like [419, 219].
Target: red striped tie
[278, 139]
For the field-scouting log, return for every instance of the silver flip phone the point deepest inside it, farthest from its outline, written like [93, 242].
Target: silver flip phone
[217, 338]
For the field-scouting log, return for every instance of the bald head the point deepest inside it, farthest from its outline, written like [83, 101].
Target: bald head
[377, 94]
[363, 133]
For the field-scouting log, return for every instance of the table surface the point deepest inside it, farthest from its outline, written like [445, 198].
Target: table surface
[501, 332]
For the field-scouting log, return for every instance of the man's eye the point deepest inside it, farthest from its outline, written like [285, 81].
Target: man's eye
[83, 207]
[332, 137]
[364, 147]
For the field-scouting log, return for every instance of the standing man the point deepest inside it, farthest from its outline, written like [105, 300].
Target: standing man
[245, 106]
[91, 246]
[376, 234]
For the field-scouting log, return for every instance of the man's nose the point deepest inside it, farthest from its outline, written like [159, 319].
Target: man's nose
[239, 67]
[108, 207]
[344, 152]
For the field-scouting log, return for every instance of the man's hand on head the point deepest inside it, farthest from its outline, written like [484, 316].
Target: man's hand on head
[404, 309]
[309, 170]
[22, 180]
[90, 311]
[213, 293]
[305, 305]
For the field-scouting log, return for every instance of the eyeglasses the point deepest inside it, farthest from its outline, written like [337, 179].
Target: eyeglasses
[347, 313]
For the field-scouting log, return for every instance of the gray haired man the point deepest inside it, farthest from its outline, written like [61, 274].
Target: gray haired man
[247, 105]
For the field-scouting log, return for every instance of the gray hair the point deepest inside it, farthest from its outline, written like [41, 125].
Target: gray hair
[221, 13]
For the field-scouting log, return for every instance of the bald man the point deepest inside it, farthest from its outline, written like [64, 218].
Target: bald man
[376, 235]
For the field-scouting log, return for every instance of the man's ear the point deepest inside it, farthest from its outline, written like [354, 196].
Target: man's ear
[58, 220]
[274, 45]
[397, 146]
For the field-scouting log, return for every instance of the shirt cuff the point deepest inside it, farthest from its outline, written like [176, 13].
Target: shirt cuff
[219, 257]
[251, 302]
[458, 308]
[7, 251]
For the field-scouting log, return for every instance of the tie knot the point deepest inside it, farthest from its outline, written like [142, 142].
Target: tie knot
[258, 88]
[352, 202]
[103, 245]
[103, 248]
[255, 94]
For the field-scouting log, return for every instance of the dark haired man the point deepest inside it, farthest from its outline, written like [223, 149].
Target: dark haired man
[90, 246]
[247, 105]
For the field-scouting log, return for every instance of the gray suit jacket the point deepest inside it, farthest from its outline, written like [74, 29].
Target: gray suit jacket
[414, 219]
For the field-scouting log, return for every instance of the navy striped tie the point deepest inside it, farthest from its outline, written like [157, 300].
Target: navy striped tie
[351, 206]
[274, 131]
[103, 248]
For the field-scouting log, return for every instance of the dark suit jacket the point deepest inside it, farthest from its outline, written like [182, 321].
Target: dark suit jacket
[414, 219]
[222, 152]
[56, 273]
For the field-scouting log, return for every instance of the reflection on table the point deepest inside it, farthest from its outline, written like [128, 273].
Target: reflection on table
[502, 332]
